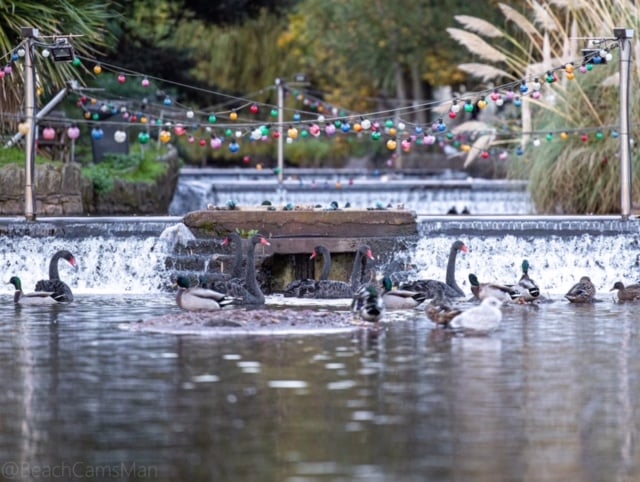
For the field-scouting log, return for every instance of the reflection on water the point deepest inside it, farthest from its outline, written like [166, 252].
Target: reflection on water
[551, 396]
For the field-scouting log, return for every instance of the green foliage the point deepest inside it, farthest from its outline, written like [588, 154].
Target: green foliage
[101, 176]
[247, 233]
[142, 166]
[86, 19]
[15, 155]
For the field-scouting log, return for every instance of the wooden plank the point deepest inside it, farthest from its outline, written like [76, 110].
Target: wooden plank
[304, 223]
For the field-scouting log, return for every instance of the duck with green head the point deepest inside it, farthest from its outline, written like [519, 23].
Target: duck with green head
[199, 299]
[481, 291]
[367, 304]
[397, 299]
[35, 298]
[526, 290]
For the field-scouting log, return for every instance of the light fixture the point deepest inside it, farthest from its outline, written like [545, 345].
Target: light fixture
[62, 51]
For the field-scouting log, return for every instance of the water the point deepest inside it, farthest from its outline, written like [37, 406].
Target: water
[556, 384]
[551, 396]
[430, 197]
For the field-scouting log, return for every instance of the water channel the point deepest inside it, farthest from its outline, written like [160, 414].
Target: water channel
[552, 395]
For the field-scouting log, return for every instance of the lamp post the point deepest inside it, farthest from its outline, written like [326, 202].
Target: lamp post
[300, 79]
[280, 87]
[31, 122]
[624, 36]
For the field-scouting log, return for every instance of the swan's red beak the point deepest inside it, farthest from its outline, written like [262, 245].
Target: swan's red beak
[265, 242]
[464, 248]
[314, 254]
[226, 241]
[370, 254]
[72, 262]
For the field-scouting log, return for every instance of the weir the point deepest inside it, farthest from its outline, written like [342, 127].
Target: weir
[139, 255]
[431, 195]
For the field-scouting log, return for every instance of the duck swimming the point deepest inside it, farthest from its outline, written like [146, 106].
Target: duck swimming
[627, 293]
[526, 290]
[583, 291]
[440, 310]
[36, 298]
[481, 291]
[367, 304]
[396, 299]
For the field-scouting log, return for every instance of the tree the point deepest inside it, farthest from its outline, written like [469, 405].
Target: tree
[87, 20]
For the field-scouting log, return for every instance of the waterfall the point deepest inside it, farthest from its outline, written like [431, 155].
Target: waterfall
[560, 250]
[429, 197]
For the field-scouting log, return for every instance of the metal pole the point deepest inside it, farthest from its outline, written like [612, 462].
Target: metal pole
[280, 131]
[30, 118]
[624, 36]
[43, 112]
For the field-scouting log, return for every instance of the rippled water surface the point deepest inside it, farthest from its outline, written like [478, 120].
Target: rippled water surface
[551, 396]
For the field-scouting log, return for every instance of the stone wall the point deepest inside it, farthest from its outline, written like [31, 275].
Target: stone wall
[60, 190]
[142, 199]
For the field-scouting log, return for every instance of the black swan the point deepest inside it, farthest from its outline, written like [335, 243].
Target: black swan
[217, 281]
[248, 289]
[430, 286]
[59, 290]
[334, 289]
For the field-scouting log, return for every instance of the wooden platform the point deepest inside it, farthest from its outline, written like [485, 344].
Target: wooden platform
[298, 231]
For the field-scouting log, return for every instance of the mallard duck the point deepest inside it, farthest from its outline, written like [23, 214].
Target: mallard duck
[483, 318]
[396, 299]
[367, 304]
[440, 310]
[199, 299]
[627, 293]
[583, 291]
[526, 290]
[59, 290]
[36, 298]
[430, 286]
[483, 290]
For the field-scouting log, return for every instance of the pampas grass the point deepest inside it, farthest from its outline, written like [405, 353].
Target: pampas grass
[479, 25]
[570, 176]
[476, 45]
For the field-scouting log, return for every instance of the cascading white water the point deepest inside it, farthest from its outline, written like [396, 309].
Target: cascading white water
[130, 256]
[479, 197]
[556, 262]
[106, 265]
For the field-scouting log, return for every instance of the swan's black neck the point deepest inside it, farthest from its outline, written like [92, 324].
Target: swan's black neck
[53, 266]
[326, 258]
[236, 269]
[250, 279]
[451, 270]
[359, 268]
